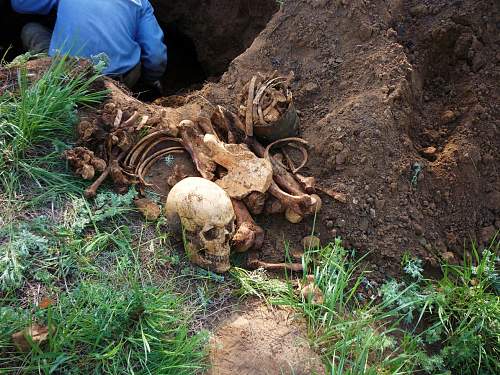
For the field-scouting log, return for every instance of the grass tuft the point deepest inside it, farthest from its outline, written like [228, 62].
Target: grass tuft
[101, 328]
[35, 115]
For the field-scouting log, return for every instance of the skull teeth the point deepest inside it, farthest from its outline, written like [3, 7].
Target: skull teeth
[216, 258]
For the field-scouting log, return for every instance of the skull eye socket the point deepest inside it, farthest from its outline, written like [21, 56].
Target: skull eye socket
[210, 234]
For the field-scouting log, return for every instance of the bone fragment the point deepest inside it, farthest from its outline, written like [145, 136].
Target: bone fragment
[192, 139]
[118, 118]
[293, 217]
[256, 263]
[131, 120]
[307, 183]
[338, 196]
[255, 202]
[246, 172]
[143, 122]
[248, 234]
[249, 110]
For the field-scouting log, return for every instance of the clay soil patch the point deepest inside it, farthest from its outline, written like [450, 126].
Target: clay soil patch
[262, 340]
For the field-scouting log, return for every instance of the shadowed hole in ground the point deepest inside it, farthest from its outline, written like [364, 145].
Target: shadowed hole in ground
[202, 37]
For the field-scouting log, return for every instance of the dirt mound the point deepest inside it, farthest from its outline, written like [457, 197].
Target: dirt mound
[262, 341]
[400, 100]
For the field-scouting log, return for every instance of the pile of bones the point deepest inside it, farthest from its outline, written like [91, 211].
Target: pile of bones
[247, 163]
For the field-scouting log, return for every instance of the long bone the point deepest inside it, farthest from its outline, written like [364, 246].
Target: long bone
[192, 140]
[248, 234]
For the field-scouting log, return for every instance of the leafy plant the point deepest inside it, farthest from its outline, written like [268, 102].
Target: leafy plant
[16, 254]
[107, 205]
[460, 312]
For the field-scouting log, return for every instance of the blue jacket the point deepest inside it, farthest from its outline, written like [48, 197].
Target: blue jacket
[126, 31]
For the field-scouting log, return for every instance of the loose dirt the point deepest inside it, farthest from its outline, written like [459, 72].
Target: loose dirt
[262, 340]
[400, 101]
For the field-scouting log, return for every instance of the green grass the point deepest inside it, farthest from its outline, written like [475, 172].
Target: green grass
[101, 327]
[110, 316]
[450, 326]
[459, 314]
[35, 118]
[354, 336]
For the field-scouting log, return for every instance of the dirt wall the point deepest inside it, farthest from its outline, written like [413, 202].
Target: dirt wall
[400, 102]
[220, 30]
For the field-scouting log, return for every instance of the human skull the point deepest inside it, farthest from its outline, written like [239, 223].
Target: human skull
[207, 217]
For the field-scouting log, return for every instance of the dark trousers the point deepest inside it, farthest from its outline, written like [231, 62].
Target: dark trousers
[36, 39]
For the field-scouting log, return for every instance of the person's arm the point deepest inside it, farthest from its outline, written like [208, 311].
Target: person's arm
[153, 50]
[34, 6]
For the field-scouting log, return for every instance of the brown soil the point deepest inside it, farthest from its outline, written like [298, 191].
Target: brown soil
[262, 341]
[378, 83]
[399, 100]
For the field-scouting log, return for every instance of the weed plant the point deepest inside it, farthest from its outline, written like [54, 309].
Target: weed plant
[35, 117]
[420, 326]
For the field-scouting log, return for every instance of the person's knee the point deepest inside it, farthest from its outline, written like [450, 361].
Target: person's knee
[35, 37]
[29, 30]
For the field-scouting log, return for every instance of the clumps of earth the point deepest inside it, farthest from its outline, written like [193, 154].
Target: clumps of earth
[399, 102]
[399, 121]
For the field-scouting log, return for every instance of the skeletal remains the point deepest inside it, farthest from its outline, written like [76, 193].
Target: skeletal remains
[239, 175]
[204, 212]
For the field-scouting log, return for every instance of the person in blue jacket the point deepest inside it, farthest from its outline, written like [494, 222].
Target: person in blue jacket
[123, 32]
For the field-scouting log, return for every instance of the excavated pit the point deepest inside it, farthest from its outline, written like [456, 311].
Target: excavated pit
[378, 84]
[203, 37]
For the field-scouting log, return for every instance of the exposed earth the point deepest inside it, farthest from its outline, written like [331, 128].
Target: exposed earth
[262, 340]
[400, 102]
